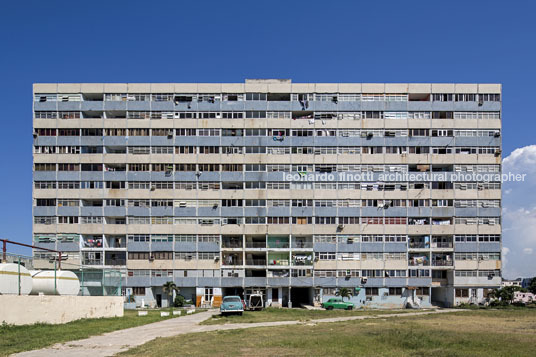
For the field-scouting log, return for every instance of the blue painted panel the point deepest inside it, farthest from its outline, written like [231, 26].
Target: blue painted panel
[278, 211]
[44, 211]
[115, 211]
[323, 141]
[161, 176]
[208, 212]
[162, 141]
[237, 282]
[255, 176]
[68, 176]
[188, 176]
[374, 282]
[302, 281]
[489, 141]
[396, 106]
[68, 247]
[115, 175]
[187, 211]
[92, 105]
[232, 106]
[139, 141]
[489, 212]
[185, 247]
[253, 141]
[275, 176]
[466, 141]
[232, 211]
[91, 140]
[114, 140]
[208, 282]
[208, 247]
[395, 247]
[138, 281]
[419, 211]
[325, 247]
[91, 211]
[138, 246]
[372, 247]
[466, 212]
[209, 140]
[138, 176]
[232, 141]
[185, 282]
[159, 281]
[443, 141]
[69, 106]
[68, 211]
[139, 106]
[442, 211]
[489, 247]
[349, 141]
[324, 106]
[418, 141]
[45, 141]
[374, 106]
[209, 176]
[308, 141]
[327, 211]
[349, 247]
[256, 105]
[419, 106]
[89, 176]
[396, 141]
[349, 106]
[465, 247]
[67, 140]
[279, 106]
[189, 141]
[46, 245]
[139, 211]
[161, 211]
[373, 141]
[348, 282]
[162, 106]
[278, 281]
[44, 175]
[419, 282]
[371, 212]
[395, 212]
[45, 106]
[302, 212]
[327, 282]
[232, 176]
[209, 107]
[395, 282]
[254, 211]
[442, 106]
[162, 246]
[115, 105]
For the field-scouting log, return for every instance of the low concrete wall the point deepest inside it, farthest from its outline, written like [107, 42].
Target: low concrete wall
[22, 310]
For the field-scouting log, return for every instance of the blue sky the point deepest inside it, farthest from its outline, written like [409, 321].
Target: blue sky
[216, 41]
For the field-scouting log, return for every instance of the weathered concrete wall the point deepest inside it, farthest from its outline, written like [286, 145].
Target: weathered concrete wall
[22, 310]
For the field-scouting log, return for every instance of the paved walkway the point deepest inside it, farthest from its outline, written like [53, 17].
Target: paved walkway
[114, 342]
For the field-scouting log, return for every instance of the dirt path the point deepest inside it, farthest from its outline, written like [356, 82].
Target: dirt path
[122, 340]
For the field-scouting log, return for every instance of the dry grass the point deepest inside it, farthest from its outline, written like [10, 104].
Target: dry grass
[472, 333]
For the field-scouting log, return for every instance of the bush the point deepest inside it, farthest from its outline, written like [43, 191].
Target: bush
[179, 301]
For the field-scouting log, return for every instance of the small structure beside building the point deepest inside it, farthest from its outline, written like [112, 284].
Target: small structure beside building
[525, 298]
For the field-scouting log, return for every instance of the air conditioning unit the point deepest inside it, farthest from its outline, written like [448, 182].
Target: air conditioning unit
[497, 134]
[498, 152]
[217, 258]
[364, 280]
[153, 187]
[151, 258]
[340, 226]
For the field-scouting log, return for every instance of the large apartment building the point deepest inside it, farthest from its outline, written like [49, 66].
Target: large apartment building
[293, 190]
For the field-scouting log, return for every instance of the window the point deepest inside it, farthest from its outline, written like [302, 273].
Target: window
[462, 293]
[138, 291]
[395, 291]
[371, 291]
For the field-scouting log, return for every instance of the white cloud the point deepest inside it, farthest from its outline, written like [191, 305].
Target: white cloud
[519, 214]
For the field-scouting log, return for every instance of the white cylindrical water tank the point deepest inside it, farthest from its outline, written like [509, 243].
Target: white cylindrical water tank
[9, 279]
[67, 282]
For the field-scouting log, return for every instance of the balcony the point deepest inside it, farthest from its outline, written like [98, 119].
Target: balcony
[255, 244]
[231, 245]
[255, 261]
[115, 262]
[442, 245]
[302, 244]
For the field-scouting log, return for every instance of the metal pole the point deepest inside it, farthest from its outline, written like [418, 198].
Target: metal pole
[4, 251]
[18, 266]
[55, 286]
[59, 261]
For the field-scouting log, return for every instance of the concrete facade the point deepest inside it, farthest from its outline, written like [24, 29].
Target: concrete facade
[289, 189]
[24, 310]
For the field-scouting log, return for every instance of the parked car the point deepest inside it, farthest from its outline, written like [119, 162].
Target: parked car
[231, 305]
[337, 303]
[256, 302]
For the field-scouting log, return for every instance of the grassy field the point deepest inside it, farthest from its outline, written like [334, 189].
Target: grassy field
[29, 337]
[470, 333]
[273, 314]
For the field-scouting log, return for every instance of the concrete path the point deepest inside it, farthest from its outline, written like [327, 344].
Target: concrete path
[114, 342]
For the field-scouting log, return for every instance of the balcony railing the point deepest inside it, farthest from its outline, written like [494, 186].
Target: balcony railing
[442, 245]
[231, 245]
[414, 245]
[91, 262]
[302, 244]
[278, 245]
[283, 262]
[232, 262]
[116, 262]
[255, 262]
[255, 244]
[442, 263]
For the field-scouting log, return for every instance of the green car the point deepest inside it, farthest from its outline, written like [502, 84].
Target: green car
[231, 305]
[337, 303]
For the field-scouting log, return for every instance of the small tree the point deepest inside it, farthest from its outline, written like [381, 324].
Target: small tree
[344, 293]
[170, 287]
